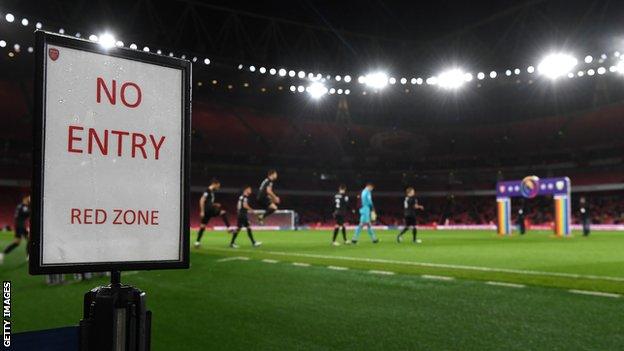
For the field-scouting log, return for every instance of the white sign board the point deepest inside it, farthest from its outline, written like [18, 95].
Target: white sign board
[113, 167]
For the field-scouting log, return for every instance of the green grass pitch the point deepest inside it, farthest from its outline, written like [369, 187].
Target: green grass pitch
[258, 299]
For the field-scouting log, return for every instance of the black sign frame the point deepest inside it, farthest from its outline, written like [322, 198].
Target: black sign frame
[42, 40]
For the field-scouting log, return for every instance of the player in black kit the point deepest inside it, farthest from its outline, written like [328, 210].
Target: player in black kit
[410, 205]
[341, 207]
[209, 208]
[266, 197]
[585, 218]
[22, 213]
[242, 208]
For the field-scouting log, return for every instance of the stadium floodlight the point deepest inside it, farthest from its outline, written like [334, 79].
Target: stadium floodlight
[376, 80]
[620, 67]
[588, 59]
[159, 52]
[530, 69]
[413, 81]
[338, 78]
[106, 40]
[468, 77]
[119, 43]
[146, 48]
[263, 70]
[9, 17]
[556, 65]
[301, 74]
[493, 74]
[392, 80]
[517, 71]
[361, 79]
[273, 71]
[480, 76]
[580, 73]
[612, 69]
[508, 72]
[602, 70]
[419, 81]
[133, 46]
[451, 79]
[291, 73]
[252, 68]
[62, 31]
[347, 78]
[311, 76]
[339, 91]
[3, 43]
[30, 49]
[301, 88]
[293, 88]
[38, 25]
[317, 90]
[24, 22]
[591, 72]
[347, 91]
[206, 61]
[571, 75]
[332, 91]
[93, 37]
[16, 47]
[432, 80]
[403, 80]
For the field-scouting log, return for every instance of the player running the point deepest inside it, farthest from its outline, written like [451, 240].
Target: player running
[367, 214]
[410, 205]
[242, 208]
[209, 208]
[341, 207]
[266, 197]
[22, 213]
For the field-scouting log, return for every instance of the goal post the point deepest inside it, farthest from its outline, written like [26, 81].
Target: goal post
[278, 220]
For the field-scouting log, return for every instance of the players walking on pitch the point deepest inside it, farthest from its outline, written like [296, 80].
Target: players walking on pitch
[410, 206]
[266, 197]
[209, 208]
[367, 214]
[341, 207]
[242, 208]
[22, 213]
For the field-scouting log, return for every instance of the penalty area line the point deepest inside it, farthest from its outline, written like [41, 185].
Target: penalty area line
[236, 258]
[266, 260]
[437, 277]
[594, 293]
[301, 264]
[381, 272]
[337, 268]
[508, 285]
[438, 265]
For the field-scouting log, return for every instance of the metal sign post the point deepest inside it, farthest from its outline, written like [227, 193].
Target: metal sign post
[111, 176]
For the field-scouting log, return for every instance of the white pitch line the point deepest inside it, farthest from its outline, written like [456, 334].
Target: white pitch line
[594, 293]
[440, 265]
[509, 285]
[301, 264]
[381, 272]
[266, 260]
[436, 277]
[236, 258]
[337, 268]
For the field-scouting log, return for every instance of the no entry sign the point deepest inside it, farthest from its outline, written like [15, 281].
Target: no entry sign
[111, 160]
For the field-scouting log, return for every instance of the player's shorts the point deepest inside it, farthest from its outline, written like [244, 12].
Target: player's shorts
[265, 202]
[410, 220]
[340, 218]
[209, 213]
[365, 215]
[242, 221]
[21, 232]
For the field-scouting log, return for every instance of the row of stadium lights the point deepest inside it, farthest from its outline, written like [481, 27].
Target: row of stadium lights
[553, 66]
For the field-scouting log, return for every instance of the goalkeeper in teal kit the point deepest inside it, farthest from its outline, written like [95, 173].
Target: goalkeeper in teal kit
[367, 214]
